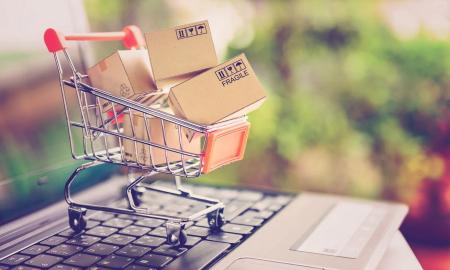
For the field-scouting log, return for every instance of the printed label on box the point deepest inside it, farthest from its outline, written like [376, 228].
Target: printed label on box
[191, 31]
[231, 73]
[125, 91]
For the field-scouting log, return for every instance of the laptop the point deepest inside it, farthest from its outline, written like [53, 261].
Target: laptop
[264, 229]
[267, 230]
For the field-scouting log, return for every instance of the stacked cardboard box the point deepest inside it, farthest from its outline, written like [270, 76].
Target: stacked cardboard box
[125, 74]
[227, 91]
[180, 53]
[182, 59]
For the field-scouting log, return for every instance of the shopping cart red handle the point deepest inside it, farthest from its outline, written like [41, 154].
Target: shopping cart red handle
[131, 37]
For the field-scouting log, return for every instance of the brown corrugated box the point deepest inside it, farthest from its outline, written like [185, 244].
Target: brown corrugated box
[125, 73]
[145, 153]
[178, 53]
[227, 91]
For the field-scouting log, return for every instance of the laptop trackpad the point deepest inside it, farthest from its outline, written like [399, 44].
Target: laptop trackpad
[257, 264]
[343, 231]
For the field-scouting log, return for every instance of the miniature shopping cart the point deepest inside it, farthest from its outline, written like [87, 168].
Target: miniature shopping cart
[98, 137]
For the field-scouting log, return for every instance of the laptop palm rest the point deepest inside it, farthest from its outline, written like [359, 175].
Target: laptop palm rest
[322, 231]
[253, 264]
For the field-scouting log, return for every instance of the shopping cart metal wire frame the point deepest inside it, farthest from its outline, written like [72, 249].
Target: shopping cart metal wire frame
[98, 127]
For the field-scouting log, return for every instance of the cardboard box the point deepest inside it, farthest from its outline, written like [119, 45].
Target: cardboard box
[227, 91]
[179, 53]
[125, 73]
[145, 153]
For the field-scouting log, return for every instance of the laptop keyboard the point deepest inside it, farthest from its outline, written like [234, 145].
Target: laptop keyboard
[113, 241]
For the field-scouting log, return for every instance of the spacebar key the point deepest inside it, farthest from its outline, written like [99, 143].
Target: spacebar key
[198, 256]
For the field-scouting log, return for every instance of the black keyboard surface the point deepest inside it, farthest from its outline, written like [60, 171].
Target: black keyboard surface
[113, 241]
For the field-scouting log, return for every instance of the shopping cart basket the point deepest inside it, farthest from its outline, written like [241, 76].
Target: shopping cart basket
[99, 137]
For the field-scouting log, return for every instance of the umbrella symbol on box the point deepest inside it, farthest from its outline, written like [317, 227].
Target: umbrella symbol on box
[239, 66]
[201, 29]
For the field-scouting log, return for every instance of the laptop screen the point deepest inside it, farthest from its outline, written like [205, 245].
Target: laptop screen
[35, 156]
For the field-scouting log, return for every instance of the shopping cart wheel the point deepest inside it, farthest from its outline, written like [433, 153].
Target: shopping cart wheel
[215, 219]
[76, 218]
[176, 236]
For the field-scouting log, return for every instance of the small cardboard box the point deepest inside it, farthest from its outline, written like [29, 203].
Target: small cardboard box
[179, 53]
[151, 155]
[227, 91]
[125, 73]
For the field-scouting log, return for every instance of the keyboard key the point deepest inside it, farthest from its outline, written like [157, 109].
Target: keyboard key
[114, 261]
[259, 214]
[263, 204]
[205, 191]
[102, 216]
[198, 231]
[102, 231]
[34, 250]
[225, 237]
[15, 259]
[265, 214]
[82, 260]
[134, 230]
[283, 199]
[68, 233]
[250, 221]
[119, 239]
[275, 207]
[235, 228]
[138, 267]
[97, 268]
[64, 267]
[65, 250]
[24, 267]
[118, 223]
[202, 223]
[235, 208]
[192, 240]
[197, 207]
[91, 224]
[160, 231]
[168, 250]
[199, 256]
[43, 261]
[154, 260]
[149, 241]
[150, 222]
[251, 196]
[133, 251]
[101, 249]
[83, 240]
[226, 194]
[53, 241]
